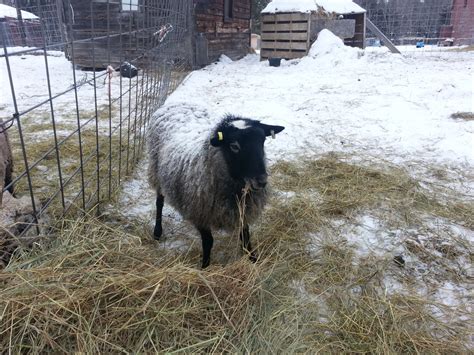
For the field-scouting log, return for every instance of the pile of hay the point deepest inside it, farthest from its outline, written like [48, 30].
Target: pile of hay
[466, 116]
[97, 288]
[94, 289]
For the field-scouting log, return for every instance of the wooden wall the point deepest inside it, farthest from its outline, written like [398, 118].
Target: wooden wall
[109, 20]
[360, 27]
[230, 37]
[222, 36]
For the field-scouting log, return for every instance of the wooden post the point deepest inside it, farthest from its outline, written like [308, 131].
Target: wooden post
[308, 43]
[61, 20]
[371, 26]
[19, 17]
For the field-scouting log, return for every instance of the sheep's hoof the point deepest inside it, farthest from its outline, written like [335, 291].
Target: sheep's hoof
[157, 232]
[253, 257]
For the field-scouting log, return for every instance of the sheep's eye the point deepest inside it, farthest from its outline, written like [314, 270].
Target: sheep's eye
[234, 147]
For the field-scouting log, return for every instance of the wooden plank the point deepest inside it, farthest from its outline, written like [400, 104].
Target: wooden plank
[371, 26]
[298, 26]
[295, 16]
[285, 45]
[265, 54]
[295, 36]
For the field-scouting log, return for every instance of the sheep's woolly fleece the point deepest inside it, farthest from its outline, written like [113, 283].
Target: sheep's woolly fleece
[190, 173]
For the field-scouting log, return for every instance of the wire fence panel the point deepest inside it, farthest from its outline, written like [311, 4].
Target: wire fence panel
[422, 25]
[79, 92]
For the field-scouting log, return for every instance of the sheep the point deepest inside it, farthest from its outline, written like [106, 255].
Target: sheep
[201, 169]
[6, 162]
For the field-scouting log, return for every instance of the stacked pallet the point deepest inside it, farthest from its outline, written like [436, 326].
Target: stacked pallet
[285, 35]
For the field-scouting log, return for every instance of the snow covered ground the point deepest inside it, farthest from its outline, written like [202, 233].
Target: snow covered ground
[370, 105]
[31, 88]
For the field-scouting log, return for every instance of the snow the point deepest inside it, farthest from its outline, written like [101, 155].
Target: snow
[330, 6]
[240, 124]
[290, 6]
[371, 105]
[32, 89]
[329, 44]
[348, 100]
[8, 11]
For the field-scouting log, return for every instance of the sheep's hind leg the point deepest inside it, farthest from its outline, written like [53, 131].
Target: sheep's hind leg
[207, 242]
[160, 201]
[246, 245]
[8, 179]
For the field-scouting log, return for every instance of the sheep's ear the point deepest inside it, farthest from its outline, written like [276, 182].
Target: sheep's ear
[271, 130]
[218, 139]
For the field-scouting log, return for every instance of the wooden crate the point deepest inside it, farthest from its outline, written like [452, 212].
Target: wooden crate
[285, 35]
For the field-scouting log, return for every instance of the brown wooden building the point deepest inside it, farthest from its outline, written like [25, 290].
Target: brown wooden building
[461, 29]
[222, 27]
[126, 30]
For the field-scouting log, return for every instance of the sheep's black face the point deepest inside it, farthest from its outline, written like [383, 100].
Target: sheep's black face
[242, 144]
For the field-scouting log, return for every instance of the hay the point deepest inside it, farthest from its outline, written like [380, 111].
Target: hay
[466, 116]
[45, 177]
[345, 188]
[464, 49]
[97, 288]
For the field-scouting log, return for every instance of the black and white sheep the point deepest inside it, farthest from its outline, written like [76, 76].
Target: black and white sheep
[201, 169]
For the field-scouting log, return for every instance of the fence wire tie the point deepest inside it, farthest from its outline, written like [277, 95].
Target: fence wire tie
[163, 32]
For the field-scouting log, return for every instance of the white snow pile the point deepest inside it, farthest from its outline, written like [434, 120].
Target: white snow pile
[305, 6]
[329, 44]
[225, 59]
[339, 6]
[10, 12]
[290, 6]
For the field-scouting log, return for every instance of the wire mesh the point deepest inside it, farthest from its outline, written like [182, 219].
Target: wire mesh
[412, 25]
[422, 25]
[82, 90]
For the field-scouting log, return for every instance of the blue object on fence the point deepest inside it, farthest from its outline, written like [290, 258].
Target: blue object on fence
[420, 44]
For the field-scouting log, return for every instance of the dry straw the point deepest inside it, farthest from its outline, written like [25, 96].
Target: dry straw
[97, 288]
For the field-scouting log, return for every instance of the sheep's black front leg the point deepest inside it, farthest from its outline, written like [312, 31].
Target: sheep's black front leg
[207, 242]
[160, 201]
[246, 246]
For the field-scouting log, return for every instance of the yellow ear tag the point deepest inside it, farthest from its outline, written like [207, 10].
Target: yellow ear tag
[220, 136]
[273, 134]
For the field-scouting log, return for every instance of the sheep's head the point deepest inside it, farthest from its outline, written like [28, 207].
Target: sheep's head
[242, 143]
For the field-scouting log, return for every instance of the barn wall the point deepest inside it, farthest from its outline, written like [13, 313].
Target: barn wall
[231, 37]
[106, 50]
[463, 21]
[360, 28]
